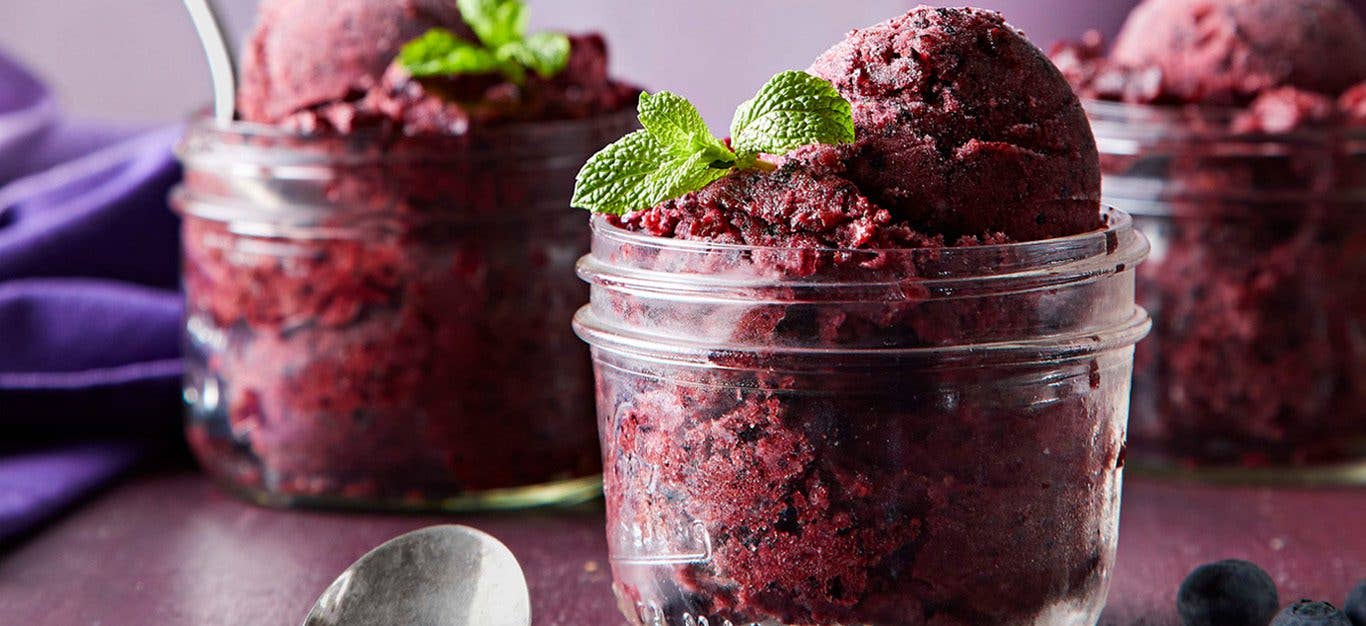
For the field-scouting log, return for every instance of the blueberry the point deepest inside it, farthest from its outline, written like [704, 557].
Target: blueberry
[1311, 613]
[1227, 593]
[1355, 608]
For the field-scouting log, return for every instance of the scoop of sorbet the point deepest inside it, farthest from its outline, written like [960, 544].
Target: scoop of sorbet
[303, 53]
[966, 133]
[965, 128]
[1229, 51]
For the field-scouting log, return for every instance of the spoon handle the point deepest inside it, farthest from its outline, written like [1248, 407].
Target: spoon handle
[219, 52]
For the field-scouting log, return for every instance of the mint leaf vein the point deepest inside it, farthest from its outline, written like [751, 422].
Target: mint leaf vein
[793, 109]
[623, 175]
[678, 124]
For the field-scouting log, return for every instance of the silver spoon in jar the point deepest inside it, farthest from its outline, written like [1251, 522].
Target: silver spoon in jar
[437, 576]
[219, 52]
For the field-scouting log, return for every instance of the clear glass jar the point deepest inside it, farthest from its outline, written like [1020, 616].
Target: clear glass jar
[1256, 368]
[821, 437]
[383, 322]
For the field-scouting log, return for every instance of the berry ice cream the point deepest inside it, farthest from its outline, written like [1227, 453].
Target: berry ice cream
[1220, 52]
[1232, 51]
[944, 151]
[1256, 150]
[901, 495]
[947, 139]
[305, 54]
[330, 66]
[381, 316]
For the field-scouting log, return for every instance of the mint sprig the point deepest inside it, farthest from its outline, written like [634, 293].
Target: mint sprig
[676, 154]
[503, 47]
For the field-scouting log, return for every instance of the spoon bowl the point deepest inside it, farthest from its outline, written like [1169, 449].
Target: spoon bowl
[437, 576]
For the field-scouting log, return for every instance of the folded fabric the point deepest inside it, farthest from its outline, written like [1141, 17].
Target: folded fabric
[27, 111]
[89, 313]
[30, 494]
[88, 357]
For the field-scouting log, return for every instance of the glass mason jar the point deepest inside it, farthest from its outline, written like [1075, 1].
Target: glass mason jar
[820, 437]
[1256, 368]
[382, 322]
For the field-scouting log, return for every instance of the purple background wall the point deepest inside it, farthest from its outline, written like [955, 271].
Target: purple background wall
[137, 59]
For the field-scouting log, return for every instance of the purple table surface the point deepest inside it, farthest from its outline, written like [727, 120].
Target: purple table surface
[171, 549]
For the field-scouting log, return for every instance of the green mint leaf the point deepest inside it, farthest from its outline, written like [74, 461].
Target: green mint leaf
[440, 52]
[495, 22]
[547, 54]
[674, 155]
[683, 175]
[676, 123]
[503, 45]
[615, 179]
[793, 109]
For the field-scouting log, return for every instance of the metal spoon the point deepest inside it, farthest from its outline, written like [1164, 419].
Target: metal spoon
[437, 576]
[219, 52]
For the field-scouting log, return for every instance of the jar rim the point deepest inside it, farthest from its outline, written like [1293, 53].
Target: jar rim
[1202, 121]
[1115, 221]
[267, 145]
[782, 359]
[732, 277]
[963, 270]
[1147, 150]
[205, 121]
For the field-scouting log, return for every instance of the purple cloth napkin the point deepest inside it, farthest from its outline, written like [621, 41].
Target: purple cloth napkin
[89, 313]
[29, 495]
